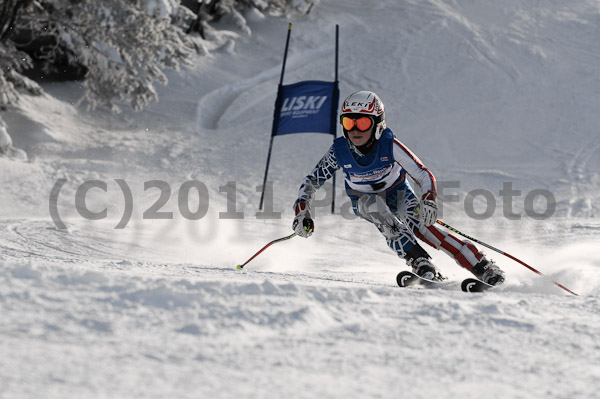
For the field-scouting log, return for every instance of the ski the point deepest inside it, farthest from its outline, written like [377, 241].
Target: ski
[408, 279]
[474, 285]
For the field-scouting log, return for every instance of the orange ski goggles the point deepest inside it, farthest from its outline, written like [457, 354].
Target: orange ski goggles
[362, 123]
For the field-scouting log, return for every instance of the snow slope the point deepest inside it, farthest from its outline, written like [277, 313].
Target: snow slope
[484, 93]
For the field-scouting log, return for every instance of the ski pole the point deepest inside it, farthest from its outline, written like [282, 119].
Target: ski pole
[503, 253]
[265, 247]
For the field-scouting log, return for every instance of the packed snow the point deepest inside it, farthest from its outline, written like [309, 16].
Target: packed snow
[485, 93]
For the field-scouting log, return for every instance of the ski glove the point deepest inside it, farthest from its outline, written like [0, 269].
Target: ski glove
[303, 224]
[428, 212]
[428, 209]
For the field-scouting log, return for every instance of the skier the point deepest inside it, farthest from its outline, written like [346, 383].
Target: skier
[375, 166]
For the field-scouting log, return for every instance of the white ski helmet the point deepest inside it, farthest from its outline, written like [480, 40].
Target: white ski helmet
[365, 103]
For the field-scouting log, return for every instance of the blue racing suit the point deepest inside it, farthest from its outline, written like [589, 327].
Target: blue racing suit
[377, 185]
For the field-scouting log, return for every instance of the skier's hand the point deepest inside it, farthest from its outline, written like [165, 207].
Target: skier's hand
[303, 224]
[429, 209]
[428, 213]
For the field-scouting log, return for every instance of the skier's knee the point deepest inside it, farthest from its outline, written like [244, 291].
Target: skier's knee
[372, 204]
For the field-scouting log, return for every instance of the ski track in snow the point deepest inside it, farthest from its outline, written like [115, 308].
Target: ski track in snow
[484, 93]
[344, 337]
[216, 330]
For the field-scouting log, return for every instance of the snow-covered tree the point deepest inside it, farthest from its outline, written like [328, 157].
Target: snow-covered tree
[123, 46]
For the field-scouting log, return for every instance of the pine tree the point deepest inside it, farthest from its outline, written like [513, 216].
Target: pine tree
[11, 59]
[123, 46]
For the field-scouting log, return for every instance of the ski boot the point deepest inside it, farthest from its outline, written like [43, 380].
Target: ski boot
[488, 272]
[418, 259]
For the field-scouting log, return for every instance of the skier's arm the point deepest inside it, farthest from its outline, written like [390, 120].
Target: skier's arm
[319, 175]
[303, 224]
[427, 211]
[415, 169]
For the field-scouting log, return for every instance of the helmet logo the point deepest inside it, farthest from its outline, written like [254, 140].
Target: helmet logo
[357, 106]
